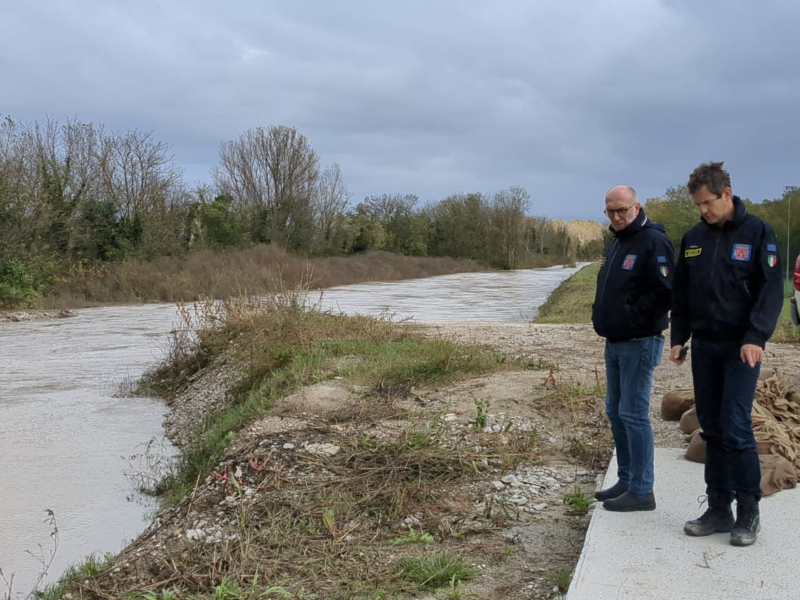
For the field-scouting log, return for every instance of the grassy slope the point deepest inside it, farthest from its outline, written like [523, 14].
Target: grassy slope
[571, 302]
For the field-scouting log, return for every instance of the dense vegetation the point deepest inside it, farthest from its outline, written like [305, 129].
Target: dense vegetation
[76, 201]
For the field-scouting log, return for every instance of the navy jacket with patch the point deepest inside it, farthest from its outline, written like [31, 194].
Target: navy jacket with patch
[728, 284]
[635, 282]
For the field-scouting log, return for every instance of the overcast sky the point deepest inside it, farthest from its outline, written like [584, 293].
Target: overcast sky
[563, 97]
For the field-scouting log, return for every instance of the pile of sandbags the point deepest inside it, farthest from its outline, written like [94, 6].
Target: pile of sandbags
[776, 424]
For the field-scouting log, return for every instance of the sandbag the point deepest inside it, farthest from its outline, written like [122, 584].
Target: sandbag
[776, 426]
[676, 402]
[689, 422]
[696, 452]
[777, 474]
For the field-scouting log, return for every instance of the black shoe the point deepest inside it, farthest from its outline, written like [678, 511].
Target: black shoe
[748, 521]
[629, 502]
[614, 491]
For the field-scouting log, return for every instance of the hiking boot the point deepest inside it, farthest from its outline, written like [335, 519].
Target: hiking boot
[748, 521]
[614, 491]
[718, 517]
[630, 502]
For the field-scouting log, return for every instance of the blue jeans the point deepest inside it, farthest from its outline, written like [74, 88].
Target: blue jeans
[724, 388]
[629, 380]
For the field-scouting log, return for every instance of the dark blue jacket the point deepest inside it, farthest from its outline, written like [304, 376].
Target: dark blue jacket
[728, 283]
[635, 282]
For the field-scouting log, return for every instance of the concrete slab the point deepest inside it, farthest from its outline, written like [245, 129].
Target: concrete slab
[644, 556]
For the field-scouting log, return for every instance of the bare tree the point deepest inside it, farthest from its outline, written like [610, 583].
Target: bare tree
[508, 217]
[67, 174]
[541, 232]
[330, 202]
[138, 173]
[273, 174]
[15, 221]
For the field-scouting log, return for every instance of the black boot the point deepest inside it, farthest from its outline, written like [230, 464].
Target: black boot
[718, 517]
[614, 491]
[748, 521]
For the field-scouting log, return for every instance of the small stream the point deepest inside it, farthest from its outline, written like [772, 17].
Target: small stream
[68, 430]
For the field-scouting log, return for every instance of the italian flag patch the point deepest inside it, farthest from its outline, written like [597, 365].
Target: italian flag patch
[772, 260]
[664, 271]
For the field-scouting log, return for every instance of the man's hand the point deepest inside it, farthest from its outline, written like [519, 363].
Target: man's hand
[752, 354]
[677, 355]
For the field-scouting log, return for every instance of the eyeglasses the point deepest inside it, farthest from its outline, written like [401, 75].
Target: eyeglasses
[620, 212]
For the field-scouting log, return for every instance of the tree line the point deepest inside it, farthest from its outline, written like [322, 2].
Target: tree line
[73, 195]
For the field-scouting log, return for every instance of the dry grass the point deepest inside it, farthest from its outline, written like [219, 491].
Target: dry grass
[281, 343]
[223, 275]
[304, 526]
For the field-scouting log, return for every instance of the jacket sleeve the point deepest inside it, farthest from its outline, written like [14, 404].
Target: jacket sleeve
[767, 290]
[660, 270]
[680, 329]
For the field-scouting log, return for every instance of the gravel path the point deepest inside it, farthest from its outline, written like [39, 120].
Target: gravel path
[577, 350]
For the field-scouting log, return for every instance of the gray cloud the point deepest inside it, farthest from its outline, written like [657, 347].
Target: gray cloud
[430, 98]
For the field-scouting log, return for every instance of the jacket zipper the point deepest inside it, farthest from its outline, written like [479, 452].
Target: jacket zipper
[714, 306]
[608, 270]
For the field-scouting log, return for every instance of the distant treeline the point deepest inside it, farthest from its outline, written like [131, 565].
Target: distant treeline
[74, 196]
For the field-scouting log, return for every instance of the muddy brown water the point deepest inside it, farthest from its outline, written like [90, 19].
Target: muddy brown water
[67, 431]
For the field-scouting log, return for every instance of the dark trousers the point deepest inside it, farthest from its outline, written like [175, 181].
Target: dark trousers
[724, 388]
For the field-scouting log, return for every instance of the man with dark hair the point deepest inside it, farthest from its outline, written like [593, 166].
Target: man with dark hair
[630, 311]
[727, 296]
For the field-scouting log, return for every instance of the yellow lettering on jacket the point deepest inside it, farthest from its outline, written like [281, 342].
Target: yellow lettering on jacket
[690, 252]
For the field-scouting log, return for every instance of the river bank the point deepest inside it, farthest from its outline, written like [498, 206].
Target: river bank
[373, 459]
[356, 457]
[18, 316]
[502, 455]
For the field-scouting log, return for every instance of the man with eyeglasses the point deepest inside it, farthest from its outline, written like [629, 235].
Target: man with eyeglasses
[728, 295]
[630, 310]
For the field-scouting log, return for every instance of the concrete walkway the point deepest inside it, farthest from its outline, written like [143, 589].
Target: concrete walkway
[647, 556]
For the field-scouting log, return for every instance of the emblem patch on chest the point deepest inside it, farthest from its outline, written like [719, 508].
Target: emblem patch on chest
[629, 261]
[741, 251]
[692, 252]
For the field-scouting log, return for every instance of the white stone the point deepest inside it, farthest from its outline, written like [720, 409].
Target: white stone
[323, 449]
[288, 446]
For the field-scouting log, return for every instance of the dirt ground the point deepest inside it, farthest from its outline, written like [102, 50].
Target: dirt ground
[512, 524]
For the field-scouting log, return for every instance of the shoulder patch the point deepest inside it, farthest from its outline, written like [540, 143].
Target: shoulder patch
[772, 260]
[741, 252]
[772, 248]
[661, 259]
[691, 252]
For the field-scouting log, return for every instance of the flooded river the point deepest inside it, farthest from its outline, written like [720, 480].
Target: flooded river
[66, 431]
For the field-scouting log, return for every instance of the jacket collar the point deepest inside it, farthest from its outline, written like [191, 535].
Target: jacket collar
[636, 226]
[739, 213]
